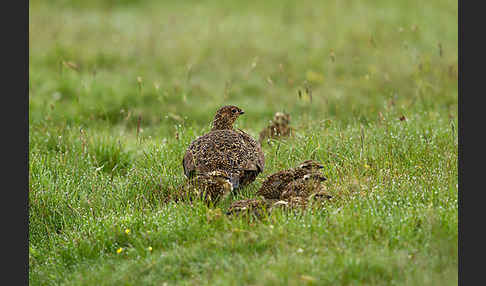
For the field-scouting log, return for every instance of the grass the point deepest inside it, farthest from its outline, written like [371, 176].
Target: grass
[117, 92]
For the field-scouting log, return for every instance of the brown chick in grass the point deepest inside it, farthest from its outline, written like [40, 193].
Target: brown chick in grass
[274, 185]
[279, 127]
[248, 206]
[303, 187]
[210, 187]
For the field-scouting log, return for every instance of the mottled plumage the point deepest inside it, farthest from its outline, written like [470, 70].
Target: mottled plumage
[227, 149]
[279, 127]
[210, 187]
[291, 203]
[274, 185]
[314, 199]
[303, 187]
[248, 206]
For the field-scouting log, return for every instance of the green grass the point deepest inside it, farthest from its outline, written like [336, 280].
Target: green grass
[117, 93]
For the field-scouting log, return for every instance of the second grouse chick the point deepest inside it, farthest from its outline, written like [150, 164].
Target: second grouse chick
[274, 185]
[303, 187]
[226, 149]
[291, 203]
[279, 127]
[248, 206]
[210, 187]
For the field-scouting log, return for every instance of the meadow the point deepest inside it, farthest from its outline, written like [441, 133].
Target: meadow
[118, 90]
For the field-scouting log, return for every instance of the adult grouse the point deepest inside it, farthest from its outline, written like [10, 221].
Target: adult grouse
[225, 149]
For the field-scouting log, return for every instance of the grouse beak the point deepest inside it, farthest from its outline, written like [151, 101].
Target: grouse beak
[242, 112]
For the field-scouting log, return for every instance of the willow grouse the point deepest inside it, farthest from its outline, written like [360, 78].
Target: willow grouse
[210, 187]
[248, 206]
[303, 187]
[274, 185]
[225, 149]
[279, 127]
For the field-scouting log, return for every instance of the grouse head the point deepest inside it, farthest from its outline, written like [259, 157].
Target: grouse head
[315, 176]
[310, 165]
[226, 116]
[281, 118]
[221, 179]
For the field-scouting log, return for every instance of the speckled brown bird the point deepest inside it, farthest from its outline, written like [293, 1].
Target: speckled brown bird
[210, 187]
[279, 127]
[315, 199]
[226, 149]
[290, 203]
[248, 206]
[274, 185]
[303, 187]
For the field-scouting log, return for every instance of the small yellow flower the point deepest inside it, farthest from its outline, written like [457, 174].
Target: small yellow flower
[366, 166]
[127, 231]
[150, 248]
[119, 250]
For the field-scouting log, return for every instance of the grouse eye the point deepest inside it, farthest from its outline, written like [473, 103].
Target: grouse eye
[234, 110]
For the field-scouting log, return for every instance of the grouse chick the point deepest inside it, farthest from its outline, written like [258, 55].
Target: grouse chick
[301, 202]
[226, 149]
[210, 187]
[279, 127]
[303, 187]
[291, 203]
[274, 185]
[248, 206]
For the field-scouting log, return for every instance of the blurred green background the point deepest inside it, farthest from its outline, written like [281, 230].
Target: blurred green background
[193, 56]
